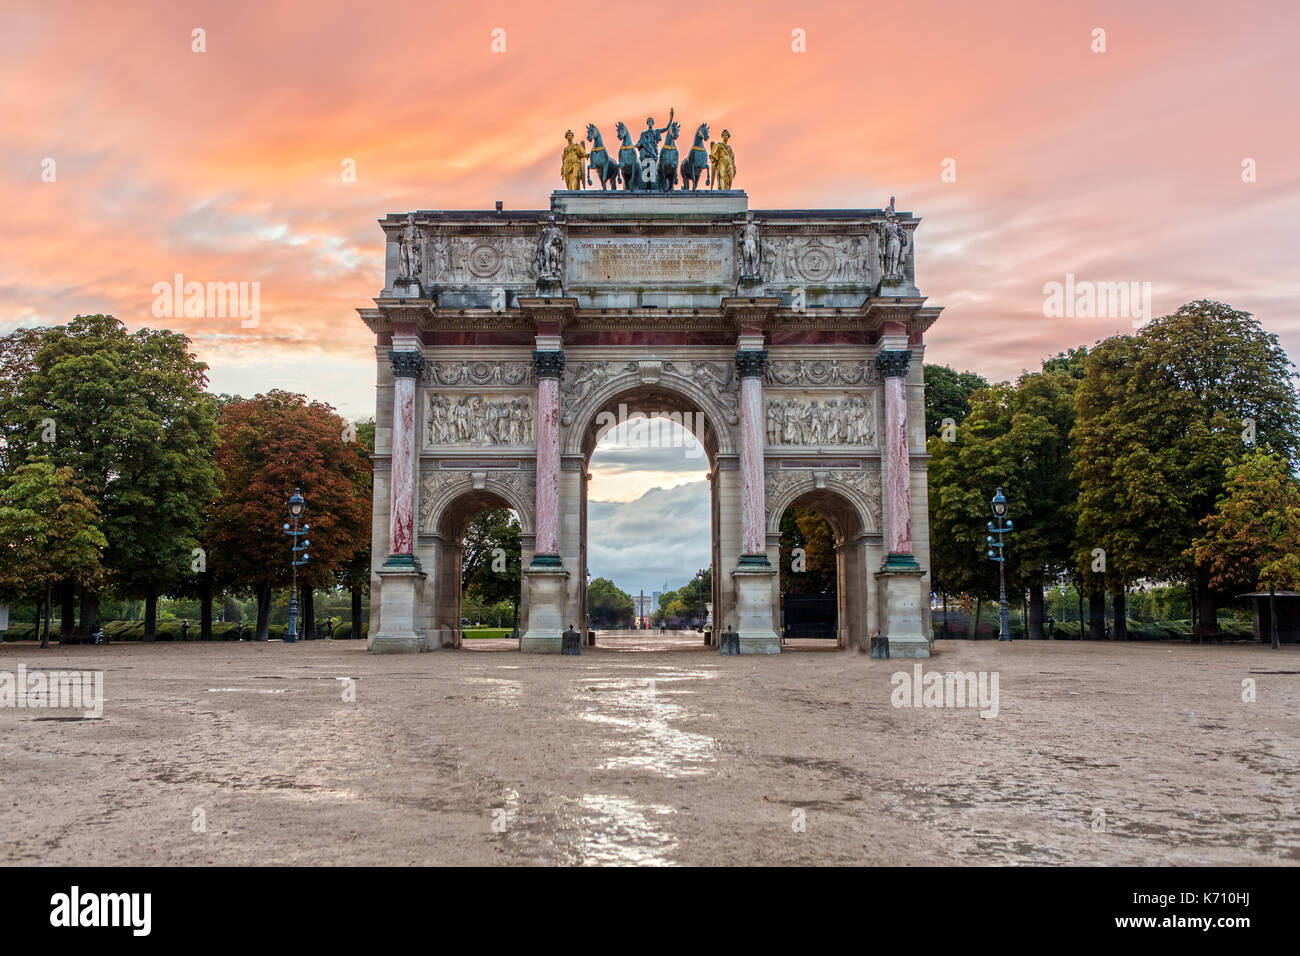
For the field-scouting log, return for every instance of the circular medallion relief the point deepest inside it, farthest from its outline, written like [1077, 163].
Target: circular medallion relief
[484, 261]
[816, 264]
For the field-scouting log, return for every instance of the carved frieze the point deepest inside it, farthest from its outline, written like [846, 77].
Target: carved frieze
[798, 372]
[817, 260]
[476, 420]
[464, 260]
[478, 374]
[850, 420]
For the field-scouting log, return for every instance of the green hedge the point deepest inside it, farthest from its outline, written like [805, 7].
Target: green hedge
[171, 631]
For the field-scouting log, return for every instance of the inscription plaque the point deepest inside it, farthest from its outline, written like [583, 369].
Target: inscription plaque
[618, 261]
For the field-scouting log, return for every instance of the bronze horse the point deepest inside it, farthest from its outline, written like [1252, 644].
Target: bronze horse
[697, 161]
[627, 157]
[598, 159]
[668, 158]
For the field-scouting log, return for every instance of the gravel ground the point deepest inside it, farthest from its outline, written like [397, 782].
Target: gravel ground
[248, 754]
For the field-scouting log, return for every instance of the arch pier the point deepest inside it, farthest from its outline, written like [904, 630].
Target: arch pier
[507, 343]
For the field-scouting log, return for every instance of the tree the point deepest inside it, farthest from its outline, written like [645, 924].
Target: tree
[1015, 438]
[806, 530]
[608, 604]
[490, 569]
[270, 445]
[17, 356]
[1161, 416]
[48, 531]
[1252, 539]
[128, 414]
[947, 395]
[355, 574]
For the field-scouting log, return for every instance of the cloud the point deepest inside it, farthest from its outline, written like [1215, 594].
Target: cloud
[662, 536]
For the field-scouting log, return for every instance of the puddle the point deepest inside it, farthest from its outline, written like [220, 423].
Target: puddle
[643, 710]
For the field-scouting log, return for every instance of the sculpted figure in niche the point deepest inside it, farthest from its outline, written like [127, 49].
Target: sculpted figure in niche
[750, 246]
[408, 250]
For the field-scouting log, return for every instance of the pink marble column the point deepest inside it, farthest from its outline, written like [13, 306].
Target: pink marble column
[897, 455]
[549, 365]
[750, 364]
[407, 367]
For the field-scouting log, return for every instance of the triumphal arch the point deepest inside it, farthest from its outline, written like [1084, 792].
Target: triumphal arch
[506, 341]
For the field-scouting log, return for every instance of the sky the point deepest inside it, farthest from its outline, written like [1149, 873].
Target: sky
[128, 157]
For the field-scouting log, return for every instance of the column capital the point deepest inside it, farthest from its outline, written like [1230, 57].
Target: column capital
[892, 363]
[406, 364]
[751, 363]
[548, 363]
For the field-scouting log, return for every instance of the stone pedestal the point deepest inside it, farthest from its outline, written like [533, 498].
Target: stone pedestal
[400, 592]
[546, 623]
[754, 609]
[903, 621]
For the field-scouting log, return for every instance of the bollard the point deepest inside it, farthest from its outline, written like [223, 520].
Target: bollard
[571, 642]
[730, 642]
[880, 647]
[591, 638]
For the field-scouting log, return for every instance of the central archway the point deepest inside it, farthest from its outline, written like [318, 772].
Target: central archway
[656, 391]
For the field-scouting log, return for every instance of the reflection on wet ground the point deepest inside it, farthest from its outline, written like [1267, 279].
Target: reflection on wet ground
[641, 711]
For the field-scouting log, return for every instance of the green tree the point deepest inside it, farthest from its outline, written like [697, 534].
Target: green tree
[354, 575]
[48, 531]
[806, 531]
[1016, 438]
[609, 605]
[128, 414]
[947, 395]
[1161, 416]
[490, 569]
[1252, 539]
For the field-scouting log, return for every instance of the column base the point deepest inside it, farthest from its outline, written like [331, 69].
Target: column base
[400, 587]
[545, 607]
[754, 608]
[902, 621]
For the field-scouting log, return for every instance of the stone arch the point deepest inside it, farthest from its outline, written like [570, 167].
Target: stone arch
[453, 503]
[514, 489]
[851, 520]
[645, 382]
[786, 487]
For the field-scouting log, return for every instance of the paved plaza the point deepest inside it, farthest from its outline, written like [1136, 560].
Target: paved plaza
[654, 750]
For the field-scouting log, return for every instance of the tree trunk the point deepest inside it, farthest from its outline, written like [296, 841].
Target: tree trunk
[356, 612]
[307, 607]
[263, 612]
[975, 625]
[514, 626]
[49, 602]
[1097, 615]
[205, 606]
[1208, 625]
[1191, 602]
[1036, 611]
[1079, 594]
[150, 613]
[1118, 600]
[67, 612]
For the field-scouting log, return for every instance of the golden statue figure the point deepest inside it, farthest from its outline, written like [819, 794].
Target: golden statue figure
[573, 163]
[723, 161]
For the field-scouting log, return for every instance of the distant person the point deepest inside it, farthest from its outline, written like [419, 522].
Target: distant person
[185, 630]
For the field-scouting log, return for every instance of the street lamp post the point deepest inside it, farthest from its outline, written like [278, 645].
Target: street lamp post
[997, 553]
[296, 504]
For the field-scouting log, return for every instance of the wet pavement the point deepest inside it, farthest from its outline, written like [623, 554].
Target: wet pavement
[655, 750]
